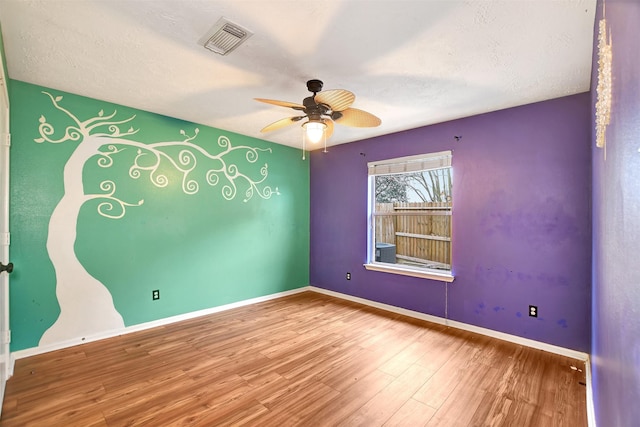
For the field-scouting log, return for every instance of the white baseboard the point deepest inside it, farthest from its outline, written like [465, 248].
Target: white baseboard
[382, 306]
[20, 354]
[591, 413]
[12, 363]
[459, 325]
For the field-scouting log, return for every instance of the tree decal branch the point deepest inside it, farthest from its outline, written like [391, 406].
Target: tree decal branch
[81, 129]
[153, 159]
[112, 207]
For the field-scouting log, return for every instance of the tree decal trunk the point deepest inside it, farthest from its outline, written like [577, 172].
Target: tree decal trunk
[86, 305]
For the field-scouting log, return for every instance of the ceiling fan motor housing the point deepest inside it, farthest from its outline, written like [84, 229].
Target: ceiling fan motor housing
[314, 85]
[313, 109]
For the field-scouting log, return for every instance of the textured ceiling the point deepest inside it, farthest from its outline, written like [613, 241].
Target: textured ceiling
[411, 63]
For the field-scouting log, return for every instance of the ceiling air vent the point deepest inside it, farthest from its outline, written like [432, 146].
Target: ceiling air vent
[224, 36]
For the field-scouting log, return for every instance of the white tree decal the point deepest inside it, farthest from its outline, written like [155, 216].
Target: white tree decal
[86, 305]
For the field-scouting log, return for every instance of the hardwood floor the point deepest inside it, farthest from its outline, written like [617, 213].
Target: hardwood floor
[307, 360]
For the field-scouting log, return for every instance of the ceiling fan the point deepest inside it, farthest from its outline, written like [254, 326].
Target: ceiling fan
[322, 109]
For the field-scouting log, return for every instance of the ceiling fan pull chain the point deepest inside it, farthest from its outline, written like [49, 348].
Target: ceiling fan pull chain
[304, 141]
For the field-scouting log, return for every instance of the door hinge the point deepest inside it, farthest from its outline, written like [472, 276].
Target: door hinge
[6, 337]
[6, 139]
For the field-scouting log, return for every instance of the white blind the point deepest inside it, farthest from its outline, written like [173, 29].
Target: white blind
[422, 162]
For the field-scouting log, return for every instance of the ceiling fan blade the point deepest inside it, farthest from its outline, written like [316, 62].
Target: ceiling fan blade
[281, 123]
[329, 130]
[358, 118]
[281, 103]
[337, 99]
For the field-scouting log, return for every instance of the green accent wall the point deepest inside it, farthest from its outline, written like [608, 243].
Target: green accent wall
[200, 251]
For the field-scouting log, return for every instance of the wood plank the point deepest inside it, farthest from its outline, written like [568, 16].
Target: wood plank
[431, 264]
[423, 236]
[420, 212]
[351, 399]
[385, 404]
[412, 413]
[424, 207]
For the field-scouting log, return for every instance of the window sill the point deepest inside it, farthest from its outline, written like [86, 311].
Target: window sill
[424, 274]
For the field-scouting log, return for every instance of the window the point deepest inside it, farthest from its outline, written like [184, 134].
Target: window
[410, 216]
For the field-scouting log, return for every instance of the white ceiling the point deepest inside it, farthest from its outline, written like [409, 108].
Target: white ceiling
[411, 62]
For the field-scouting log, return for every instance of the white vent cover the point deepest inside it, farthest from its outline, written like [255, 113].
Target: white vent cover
[224, 36]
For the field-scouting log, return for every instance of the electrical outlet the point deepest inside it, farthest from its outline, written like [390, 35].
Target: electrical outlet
[348, 276]
[155, 294]
[533, 310]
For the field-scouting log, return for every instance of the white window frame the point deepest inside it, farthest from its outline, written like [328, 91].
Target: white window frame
[417, 163]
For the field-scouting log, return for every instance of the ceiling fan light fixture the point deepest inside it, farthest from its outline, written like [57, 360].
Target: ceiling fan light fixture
[224, 36]
[314, 130]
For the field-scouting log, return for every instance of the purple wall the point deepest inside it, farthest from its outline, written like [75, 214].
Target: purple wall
[521, 227]
[616, 231]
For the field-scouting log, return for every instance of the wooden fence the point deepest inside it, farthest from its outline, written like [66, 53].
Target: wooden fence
[421, 232]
